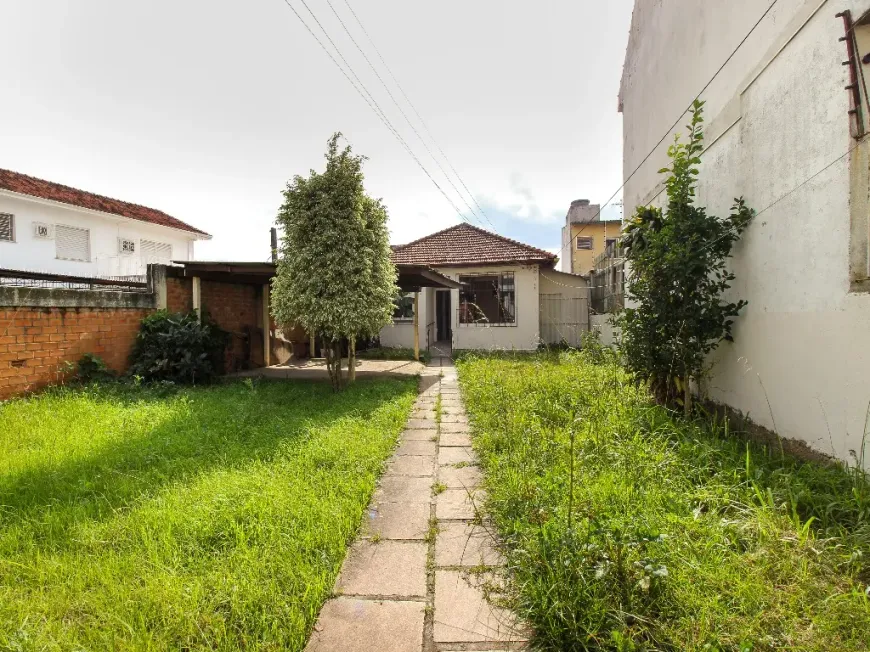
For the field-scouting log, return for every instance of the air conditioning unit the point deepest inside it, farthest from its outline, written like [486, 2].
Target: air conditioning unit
[42, 231]
[126, 246]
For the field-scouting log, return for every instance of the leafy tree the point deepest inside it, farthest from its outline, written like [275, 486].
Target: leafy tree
[678, 276]
[335, 276]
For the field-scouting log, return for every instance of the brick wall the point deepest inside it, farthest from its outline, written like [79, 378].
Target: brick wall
[35, 342]
[42, 328]
[179, 295]
[235, 307]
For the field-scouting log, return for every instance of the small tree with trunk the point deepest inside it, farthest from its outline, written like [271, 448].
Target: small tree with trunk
[335, 276]
[677, 278]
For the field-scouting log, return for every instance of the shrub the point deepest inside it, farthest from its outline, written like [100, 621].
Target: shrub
[178, 348]
[92, 368]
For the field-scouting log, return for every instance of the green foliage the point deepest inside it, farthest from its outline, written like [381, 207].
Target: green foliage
[335, 276]
[92, 368]
[678, 278]
[213, 519]
[628, 529]
[178, 348]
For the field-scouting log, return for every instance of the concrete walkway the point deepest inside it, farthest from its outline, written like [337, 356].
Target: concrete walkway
[424, 576]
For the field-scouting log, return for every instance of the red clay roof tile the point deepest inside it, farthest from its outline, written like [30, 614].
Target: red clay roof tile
[26, 185]
[465, 244]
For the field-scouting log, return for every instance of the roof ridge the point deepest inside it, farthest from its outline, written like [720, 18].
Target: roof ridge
[468, 225]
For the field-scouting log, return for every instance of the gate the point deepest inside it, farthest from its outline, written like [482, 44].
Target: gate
[563, 319]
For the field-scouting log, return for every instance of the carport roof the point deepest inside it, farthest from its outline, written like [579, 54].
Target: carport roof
[411, 277]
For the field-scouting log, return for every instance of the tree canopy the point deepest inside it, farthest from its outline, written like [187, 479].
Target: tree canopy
[335, 276]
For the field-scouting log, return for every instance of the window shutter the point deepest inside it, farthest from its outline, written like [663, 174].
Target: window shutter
[155, 252]
[72, 243]
[7, 227]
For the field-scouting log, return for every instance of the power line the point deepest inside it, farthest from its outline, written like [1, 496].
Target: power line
[362, 94]
[404, 115]
[417, 113]
[677, 121]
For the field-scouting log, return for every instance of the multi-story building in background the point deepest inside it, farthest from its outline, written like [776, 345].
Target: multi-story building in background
[585, 236]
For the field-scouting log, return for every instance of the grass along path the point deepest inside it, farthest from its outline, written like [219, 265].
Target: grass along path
[215, 518]
[628, 530]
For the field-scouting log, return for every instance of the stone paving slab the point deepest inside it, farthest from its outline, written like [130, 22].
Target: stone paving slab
[398, 521]
[454, 418]
[458, 504]
[414, 465]
[452, 409]
[417, 448]
[404, 489]
[415, 434]
[353, 625]
[455, 439]
[426, 413]
[466, 477]
[465, 544]
[455, 427]
[423, 424]
[463, 614]
[386, 568]
[455, 455]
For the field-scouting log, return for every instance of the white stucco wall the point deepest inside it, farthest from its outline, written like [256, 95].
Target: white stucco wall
[29, 253]
[775, 116]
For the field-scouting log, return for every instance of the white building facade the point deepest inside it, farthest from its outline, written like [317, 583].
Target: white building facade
[94, 237]
[511, 297]
[783, 131]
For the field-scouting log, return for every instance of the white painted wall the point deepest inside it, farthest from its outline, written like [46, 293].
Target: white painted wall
[775, 116]
[29, 253]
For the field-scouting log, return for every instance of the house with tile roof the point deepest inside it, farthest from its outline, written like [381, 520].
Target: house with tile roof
[49, 227]
[511, 296]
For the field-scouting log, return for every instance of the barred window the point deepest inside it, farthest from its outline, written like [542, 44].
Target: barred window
[585, 243]
[488, 299]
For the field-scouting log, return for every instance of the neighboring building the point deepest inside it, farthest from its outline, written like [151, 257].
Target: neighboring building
[585, 236]
[48, 227]
[782, 130]
[511, 296]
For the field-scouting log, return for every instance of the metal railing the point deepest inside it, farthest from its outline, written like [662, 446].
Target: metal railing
[613, 254]
[23, 278]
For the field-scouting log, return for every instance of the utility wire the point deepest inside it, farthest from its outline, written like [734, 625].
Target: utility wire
[416, 112]
[404, 115]
[372, 103]
[676, 122]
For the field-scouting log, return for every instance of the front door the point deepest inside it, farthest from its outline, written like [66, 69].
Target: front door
[443, 330]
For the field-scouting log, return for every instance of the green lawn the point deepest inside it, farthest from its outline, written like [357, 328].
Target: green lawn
[672, 536]
[214, 518]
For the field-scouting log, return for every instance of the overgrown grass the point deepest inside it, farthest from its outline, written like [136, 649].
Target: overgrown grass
[672, 535]
[388, 353]
[213, 518]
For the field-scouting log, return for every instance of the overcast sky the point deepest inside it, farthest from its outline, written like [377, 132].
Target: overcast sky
[205, 108]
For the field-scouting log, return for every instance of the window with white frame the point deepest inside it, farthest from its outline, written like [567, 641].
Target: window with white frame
[7, 227]
[488, 299]
[72, 243]
[403, 308]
